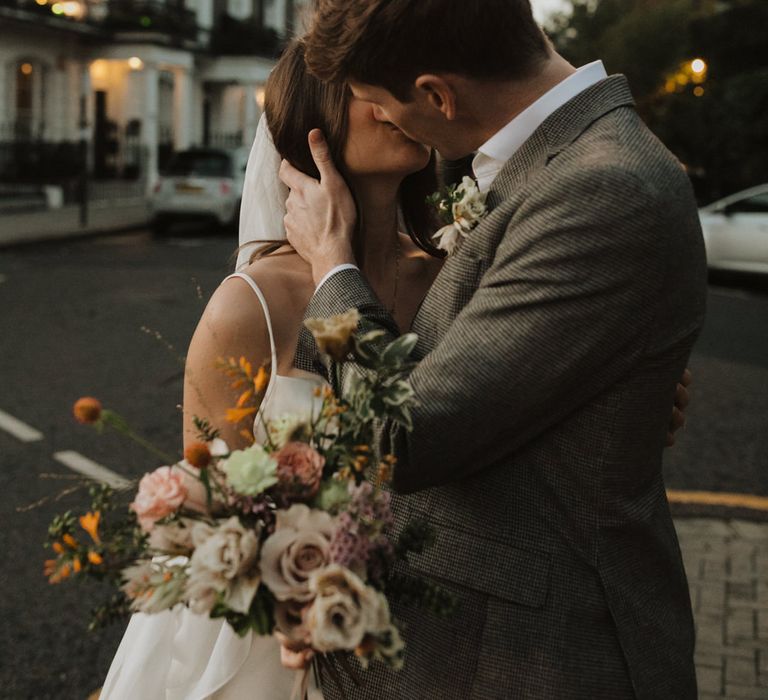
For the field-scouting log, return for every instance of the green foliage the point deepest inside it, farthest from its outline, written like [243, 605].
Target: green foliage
[416, 536]
[422, 593]
[720, 135]
[260, 617]
[205, 431]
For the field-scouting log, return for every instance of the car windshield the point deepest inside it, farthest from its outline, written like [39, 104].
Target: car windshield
[200, 164]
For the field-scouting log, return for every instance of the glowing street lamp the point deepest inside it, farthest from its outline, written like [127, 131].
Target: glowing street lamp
[135, 63]
[698, 66]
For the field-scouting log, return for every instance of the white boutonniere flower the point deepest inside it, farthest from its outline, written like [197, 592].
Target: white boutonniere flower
[462, 207]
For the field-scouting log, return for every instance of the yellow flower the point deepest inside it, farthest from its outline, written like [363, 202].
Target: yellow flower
[95, 558]
[90, 523]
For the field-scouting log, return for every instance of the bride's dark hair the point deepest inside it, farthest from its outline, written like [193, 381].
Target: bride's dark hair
[295, 102]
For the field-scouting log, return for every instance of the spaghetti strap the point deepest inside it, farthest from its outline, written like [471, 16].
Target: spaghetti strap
[264, 306]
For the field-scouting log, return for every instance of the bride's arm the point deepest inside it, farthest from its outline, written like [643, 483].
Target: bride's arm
[232, 325]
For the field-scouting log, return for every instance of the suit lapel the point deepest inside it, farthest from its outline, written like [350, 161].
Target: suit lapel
[559, 130]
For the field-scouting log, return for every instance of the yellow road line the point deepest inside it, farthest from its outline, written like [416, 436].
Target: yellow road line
[708, 498]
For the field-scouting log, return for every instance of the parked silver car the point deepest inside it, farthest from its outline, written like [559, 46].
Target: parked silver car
[199, 184]
[736, 231]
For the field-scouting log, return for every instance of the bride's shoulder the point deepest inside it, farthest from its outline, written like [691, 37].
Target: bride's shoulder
[285, 283]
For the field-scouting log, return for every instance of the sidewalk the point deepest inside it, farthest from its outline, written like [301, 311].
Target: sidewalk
[104, 216]
[727, 566]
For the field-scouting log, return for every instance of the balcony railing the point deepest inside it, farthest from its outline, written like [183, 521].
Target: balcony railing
[150, 16]
[144, 16]
[232, 37]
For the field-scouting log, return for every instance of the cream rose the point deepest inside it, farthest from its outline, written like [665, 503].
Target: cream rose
[173, 538]
[225, 561]
[160, 493]
[344, 610]
[334, 335]
[299, 546]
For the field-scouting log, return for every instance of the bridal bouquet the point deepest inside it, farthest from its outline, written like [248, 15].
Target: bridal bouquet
[290, 535]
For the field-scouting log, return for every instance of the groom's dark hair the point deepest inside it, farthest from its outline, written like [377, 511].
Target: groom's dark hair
[390, 43]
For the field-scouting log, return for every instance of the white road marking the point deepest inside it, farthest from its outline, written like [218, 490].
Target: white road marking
[82, 465]
[21, 431]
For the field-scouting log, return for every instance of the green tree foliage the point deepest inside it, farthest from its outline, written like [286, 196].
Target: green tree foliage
[720, 134]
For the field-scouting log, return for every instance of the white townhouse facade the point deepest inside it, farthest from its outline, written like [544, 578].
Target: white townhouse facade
[134, 79]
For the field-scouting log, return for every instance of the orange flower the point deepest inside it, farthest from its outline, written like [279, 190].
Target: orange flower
[58, 547]
[246, 367]
[95, 558]
[50, 566]
[77, 565]
[198, 455]
[64, 571]
[237, 415]
[70, 541]
[90, 523]
[261, 380]
[244, 398]
[87, 410]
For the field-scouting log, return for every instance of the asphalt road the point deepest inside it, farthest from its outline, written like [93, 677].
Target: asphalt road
[71, 318]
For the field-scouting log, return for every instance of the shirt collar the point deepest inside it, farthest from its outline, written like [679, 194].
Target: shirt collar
[506, 142]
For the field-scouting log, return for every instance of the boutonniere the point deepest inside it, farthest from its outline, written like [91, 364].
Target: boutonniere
[461, 207]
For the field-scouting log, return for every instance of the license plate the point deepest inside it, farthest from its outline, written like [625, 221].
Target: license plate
[186, 188]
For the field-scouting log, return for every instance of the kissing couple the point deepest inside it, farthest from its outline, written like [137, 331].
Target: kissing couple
[555, 314]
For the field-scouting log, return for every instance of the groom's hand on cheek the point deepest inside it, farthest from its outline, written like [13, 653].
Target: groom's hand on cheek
[321, 216]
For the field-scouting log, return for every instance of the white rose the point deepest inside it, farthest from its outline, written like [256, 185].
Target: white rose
[299, 546]
[447, 238]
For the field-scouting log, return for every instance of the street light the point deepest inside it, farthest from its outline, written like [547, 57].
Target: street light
[698, 66]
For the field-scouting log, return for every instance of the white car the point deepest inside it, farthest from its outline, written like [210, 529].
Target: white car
[736, 231]
[199, 184]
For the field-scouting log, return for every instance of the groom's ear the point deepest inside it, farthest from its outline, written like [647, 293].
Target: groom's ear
[439, 93]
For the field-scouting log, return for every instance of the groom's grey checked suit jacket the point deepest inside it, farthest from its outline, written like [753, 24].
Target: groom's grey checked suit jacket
[549, 349]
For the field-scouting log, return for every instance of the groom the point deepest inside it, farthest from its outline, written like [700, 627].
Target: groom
[549, 348]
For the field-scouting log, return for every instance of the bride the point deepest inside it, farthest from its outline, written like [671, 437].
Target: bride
[257, 313]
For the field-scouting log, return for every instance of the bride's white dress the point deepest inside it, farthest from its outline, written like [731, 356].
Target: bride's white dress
[178, 655]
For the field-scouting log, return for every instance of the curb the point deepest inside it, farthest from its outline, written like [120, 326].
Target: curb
[44, 238]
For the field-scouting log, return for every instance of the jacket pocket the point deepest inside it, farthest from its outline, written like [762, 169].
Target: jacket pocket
[495, 568]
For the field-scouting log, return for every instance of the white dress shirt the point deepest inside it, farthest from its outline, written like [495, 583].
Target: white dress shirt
[498, 149]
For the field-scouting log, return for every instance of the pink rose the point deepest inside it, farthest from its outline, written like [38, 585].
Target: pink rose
[160, 493]
[299, 469]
